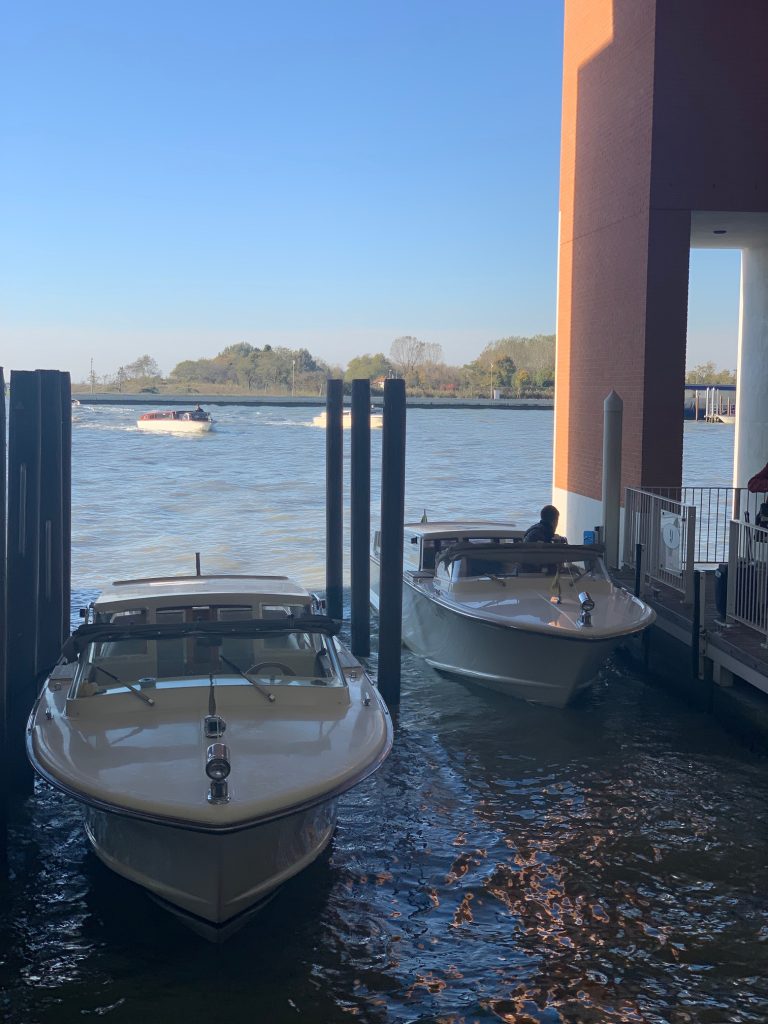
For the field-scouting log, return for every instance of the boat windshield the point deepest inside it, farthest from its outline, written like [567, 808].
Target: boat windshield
[502, 561]
[283, 657]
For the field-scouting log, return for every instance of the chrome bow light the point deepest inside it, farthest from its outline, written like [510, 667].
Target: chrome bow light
[587, 607]
[217, 768]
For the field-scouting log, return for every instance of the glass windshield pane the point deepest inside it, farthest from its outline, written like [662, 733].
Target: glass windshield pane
[292, 658]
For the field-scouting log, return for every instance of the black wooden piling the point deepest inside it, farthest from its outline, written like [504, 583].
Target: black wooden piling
[38, 549]
[391, 557]
[3, 676]
[334, 497]
[23, 564]
[360, 503]
[51, 612]
[65, 385]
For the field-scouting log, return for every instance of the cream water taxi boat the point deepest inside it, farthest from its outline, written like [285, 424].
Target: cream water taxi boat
[207, 725]
[534, 621]
[321, 420]
[176, 421]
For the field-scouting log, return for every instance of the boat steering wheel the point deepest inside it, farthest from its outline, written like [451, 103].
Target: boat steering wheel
[285, 670]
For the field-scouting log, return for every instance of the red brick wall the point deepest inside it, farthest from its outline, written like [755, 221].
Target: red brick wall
[665, 108]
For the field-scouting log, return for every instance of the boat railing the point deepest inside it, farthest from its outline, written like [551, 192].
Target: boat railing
[665, 527]
[747, 600]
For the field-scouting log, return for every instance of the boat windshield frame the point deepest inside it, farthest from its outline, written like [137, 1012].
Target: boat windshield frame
[525, 558]
[88, 642]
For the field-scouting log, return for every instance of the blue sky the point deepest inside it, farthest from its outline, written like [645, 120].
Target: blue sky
[177, 177]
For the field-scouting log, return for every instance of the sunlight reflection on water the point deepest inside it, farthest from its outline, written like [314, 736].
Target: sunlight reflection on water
[508, 863]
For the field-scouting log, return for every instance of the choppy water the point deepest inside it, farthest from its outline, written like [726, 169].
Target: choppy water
[508, 863]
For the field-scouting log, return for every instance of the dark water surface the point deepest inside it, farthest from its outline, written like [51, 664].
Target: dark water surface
[507, 863]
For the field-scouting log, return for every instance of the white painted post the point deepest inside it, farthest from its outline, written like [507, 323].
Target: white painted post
[613, 413]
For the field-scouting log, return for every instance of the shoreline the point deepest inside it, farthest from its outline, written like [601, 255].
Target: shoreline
[168, 398]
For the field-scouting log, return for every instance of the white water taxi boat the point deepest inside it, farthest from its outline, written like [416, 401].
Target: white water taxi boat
[208, 724]
[175, 421]
[377, 420]
[534, 621]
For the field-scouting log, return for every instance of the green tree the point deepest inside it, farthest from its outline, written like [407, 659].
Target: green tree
[143, 368]
[370, 366]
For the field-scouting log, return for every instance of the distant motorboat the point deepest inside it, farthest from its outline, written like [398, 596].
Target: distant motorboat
[176, 421]
[346, 421]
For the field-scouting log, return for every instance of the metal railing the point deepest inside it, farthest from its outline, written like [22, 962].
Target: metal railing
[666, 530]
[715, 507]
[748, 576]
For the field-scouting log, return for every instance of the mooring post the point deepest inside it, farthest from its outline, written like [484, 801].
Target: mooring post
[696, 626]
[65, 384]
[391, 556]
[334, 497]
[23, 566]
[613, 410]
[360, 502]
[51, 609]
[3, 676]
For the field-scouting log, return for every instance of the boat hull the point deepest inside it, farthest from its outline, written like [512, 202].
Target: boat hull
[174, 426]
[543, 668]
[211, 879]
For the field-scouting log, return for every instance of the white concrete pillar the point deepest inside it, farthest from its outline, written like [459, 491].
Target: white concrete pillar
[751, 444]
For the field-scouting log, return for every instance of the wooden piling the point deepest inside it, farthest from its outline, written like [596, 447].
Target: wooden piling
[334, 497]
[360, 514]
[51, 607]
[38, 550]
[23, 565]
[391, 558]
[3, 675]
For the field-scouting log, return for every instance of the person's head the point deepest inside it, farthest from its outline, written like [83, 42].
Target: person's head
[550, 515]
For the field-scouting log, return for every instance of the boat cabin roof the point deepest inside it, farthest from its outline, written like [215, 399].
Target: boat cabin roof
[463, 528]
[191, 591]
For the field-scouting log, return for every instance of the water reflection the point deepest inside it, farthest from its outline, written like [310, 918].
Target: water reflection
[508, 863]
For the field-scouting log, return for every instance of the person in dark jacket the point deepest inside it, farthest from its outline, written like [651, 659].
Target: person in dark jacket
[544, 530]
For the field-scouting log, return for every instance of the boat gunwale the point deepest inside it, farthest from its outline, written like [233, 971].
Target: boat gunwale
[529, 628]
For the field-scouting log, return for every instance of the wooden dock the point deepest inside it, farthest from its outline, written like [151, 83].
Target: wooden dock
[721, 668]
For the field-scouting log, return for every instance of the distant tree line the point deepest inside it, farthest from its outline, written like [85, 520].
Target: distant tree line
[707, 373]
[515, 366]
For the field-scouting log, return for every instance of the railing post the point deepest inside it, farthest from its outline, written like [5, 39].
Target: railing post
[733, 564]
[737, 503]
[360, 514]
[334, 497]
[695, 624]
[690, 552]
[391, 557]
[638, 568]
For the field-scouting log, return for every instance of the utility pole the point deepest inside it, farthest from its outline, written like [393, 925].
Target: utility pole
[293, 377]
[91, 374]
[491, 381]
